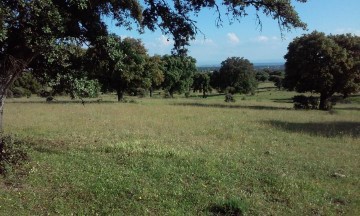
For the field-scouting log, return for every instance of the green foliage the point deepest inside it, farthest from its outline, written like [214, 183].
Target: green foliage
[27, 81]
[119, 65]
[304, 102]
[237, 73]
[12, 154]
[262, 76]
[154, 72]
[178, 73]
[229, 98]
[18, 92]
[76, 87]
[278, 80]
[323, 64]
[201, 83]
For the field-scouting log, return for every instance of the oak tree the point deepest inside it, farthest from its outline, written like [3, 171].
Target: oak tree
[323, 64]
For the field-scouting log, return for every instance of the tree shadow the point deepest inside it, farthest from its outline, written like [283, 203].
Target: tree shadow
[283, 100]
[326, 129]
[229, 106]
[62, 102]
[348, 108]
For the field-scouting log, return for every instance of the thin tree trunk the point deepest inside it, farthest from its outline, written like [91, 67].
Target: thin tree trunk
[151, 91]
[2, 102]
[324, 102]
[120, 95]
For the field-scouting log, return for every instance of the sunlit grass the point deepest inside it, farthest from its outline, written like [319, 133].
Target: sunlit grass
[184, 156]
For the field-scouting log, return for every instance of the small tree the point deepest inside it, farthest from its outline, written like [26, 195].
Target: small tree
[154, 70]
[262, 76]
[201, 83]
[237, 73]
[178, 72]
[118, 64]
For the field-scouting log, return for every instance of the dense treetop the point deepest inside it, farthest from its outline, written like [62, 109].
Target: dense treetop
[323, 64]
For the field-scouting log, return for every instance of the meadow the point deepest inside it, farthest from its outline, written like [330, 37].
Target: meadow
[184, 156]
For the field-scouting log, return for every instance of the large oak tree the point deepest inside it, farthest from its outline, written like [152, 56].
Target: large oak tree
[323, 64]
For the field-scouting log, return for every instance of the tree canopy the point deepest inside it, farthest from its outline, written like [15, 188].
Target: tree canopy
[323, 64]
[178, 72]
[236, 73]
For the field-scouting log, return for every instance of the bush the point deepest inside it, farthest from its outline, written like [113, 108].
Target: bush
[44, 93]
[229, 98]
[140, 92]
[187, 94]
[9, 94]
[303, 102]
[230, 90]
[19, 92]
[12, 154]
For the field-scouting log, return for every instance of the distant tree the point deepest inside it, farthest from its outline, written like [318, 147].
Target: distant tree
[262, 76]
[118, 64]
[178, 72]
[154, 70]
[278, 80]
[201, 83]
[318, 63]
[237, 73]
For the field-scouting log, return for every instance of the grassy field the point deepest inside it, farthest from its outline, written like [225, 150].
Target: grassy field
[184, 156]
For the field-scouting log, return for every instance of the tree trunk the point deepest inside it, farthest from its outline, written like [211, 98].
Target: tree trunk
[2, 102]
[151, 91]
[324, 102]
[204, 94]
[120, 95]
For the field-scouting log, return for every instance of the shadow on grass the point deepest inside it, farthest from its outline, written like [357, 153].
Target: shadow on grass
[63, 102]
[326, 129]
[229, 106]
[207, 96]
[283, 100]
[348, 108]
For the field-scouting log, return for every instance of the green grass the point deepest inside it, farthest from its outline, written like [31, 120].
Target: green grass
[181, 156]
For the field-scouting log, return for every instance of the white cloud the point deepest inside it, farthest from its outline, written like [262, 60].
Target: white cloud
[202, 42]
[233, 38]
[262, 39]
[265, 39]
[165, 41]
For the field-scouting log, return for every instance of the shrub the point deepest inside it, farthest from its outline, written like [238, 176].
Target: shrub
[19, 92]
[187, 94]
[9, 94]
[230, 90]
[167, 94]
[303, 102]
[229, 98]
[140, 92]
[44, 93]
[12, 153]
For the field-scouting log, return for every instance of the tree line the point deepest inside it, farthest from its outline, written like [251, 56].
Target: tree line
[124, 66]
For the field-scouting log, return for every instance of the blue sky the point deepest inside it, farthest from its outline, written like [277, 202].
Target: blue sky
[246, 39]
